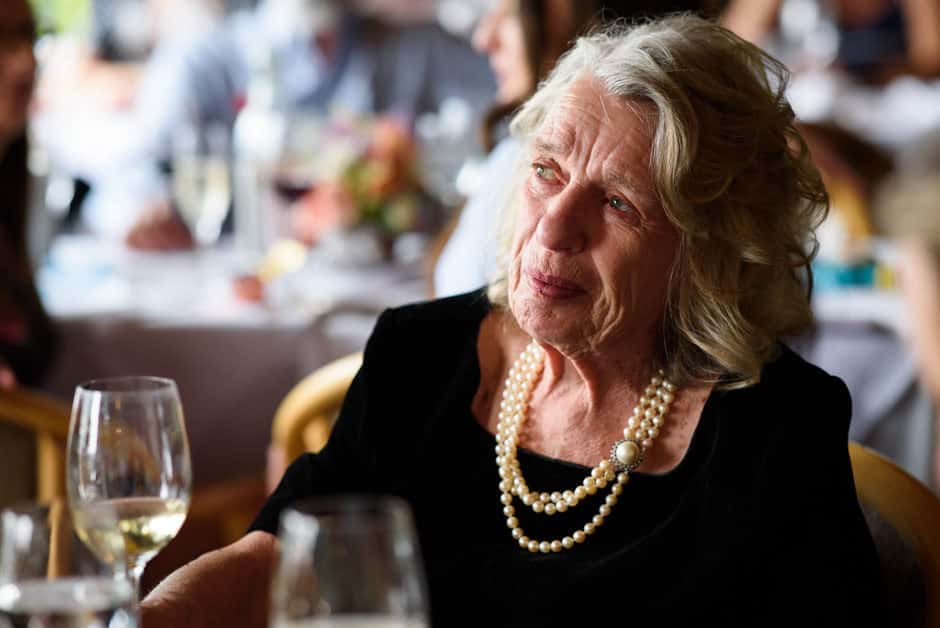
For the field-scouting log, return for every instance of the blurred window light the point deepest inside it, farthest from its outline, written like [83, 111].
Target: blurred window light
[460, 16]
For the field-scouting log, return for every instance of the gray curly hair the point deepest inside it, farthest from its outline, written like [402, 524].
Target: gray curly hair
[733, 175]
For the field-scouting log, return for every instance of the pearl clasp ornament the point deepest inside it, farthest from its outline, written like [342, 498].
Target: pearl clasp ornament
[626, 455]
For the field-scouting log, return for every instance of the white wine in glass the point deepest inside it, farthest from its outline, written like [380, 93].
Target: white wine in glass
[129, 476]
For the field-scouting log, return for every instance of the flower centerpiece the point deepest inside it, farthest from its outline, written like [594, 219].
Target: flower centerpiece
[367, 180]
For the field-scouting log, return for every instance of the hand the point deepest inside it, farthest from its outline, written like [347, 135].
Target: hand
[159, 229]
[227, 587]
[7, 377]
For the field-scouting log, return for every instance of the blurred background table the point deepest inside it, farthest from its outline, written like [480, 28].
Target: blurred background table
[121, 312]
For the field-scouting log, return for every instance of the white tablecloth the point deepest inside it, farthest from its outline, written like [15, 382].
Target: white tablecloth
[174, 315]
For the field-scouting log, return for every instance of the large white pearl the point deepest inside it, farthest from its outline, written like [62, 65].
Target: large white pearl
[627, 453]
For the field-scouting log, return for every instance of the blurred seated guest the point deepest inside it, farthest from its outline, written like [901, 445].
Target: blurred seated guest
[653, 258]
[523, 39]
[852, 169]
[26, 337]
[323, 57]
[908, 210]
[873, 41]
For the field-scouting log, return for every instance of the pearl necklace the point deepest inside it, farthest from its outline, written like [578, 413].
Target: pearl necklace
[625, 455]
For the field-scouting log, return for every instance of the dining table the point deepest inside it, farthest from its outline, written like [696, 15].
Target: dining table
[176, 314]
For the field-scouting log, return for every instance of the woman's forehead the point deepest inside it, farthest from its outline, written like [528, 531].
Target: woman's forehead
[587, 101]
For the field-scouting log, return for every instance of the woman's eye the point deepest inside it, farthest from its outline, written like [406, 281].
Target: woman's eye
[544, 172]
[619, 204]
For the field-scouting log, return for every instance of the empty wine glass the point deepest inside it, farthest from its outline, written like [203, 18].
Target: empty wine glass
[48, 578]
[351, 562]
[128, 472]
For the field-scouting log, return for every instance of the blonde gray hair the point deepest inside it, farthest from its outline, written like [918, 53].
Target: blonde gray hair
[732, 174]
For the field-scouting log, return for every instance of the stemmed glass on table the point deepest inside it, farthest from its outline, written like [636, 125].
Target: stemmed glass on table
[202, 186]
[128, 472]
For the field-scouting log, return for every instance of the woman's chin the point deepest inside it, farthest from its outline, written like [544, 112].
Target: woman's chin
[544, 323]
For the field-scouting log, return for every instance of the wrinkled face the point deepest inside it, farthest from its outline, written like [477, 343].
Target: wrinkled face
[17, 66]
[501, 37]
[592, 249]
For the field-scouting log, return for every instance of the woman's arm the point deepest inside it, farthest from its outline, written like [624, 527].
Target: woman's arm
[227, 587]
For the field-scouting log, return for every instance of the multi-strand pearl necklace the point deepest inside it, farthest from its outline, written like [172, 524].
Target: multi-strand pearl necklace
[625, 455]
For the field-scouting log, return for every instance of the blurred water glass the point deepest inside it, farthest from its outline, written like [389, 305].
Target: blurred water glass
[49, 579]
[351, 562]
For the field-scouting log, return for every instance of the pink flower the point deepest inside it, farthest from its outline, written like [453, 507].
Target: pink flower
[327, 206]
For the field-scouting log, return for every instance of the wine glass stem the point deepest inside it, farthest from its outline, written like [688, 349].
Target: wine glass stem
[134, 573]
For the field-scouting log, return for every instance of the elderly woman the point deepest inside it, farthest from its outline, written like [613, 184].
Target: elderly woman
[659, 456]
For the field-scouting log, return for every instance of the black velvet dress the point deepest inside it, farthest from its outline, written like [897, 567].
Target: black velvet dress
[758, 525]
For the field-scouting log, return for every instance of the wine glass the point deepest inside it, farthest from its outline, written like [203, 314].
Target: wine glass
[348, 561]
[49, 578]
[202, 186]
[128, 472]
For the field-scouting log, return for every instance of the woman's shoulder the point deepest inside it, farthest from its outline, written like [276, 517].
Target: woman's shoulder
[788, 373]
[793, 395]
[439, 326]
[469, 307]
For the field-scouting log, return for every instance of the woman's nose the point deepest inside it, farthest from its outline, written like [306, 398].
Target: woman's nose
[563, 225]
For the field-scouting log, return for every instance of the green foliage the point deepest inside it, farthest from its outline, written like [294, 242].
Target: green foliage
[61, 16]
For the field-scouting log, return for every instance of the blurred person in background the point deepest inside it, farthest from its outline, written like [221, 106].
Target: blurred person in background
[325, 56]
[522, 39]
[26, 334]
[907, 210]
[877, 40]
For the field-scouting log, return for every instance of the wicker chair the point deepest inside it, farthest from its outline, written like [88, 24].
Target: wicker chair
[904, 518]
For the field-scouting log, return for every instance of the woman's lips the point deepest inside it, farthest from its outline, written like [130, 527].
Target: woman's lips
[552, 286]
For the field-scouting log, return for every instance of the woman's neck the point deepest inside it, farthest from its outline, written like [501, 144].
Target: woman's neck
[581, 404]
[599, 375]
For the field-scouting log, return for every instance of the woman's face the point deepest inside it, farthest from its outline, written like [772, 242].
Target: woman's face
[501, 37]
[17, 66]
[593, 249]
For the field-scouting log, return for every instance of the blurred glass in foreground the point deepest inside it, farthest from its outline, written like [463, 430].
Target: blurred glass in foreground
[48, 578]
[350, 562]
